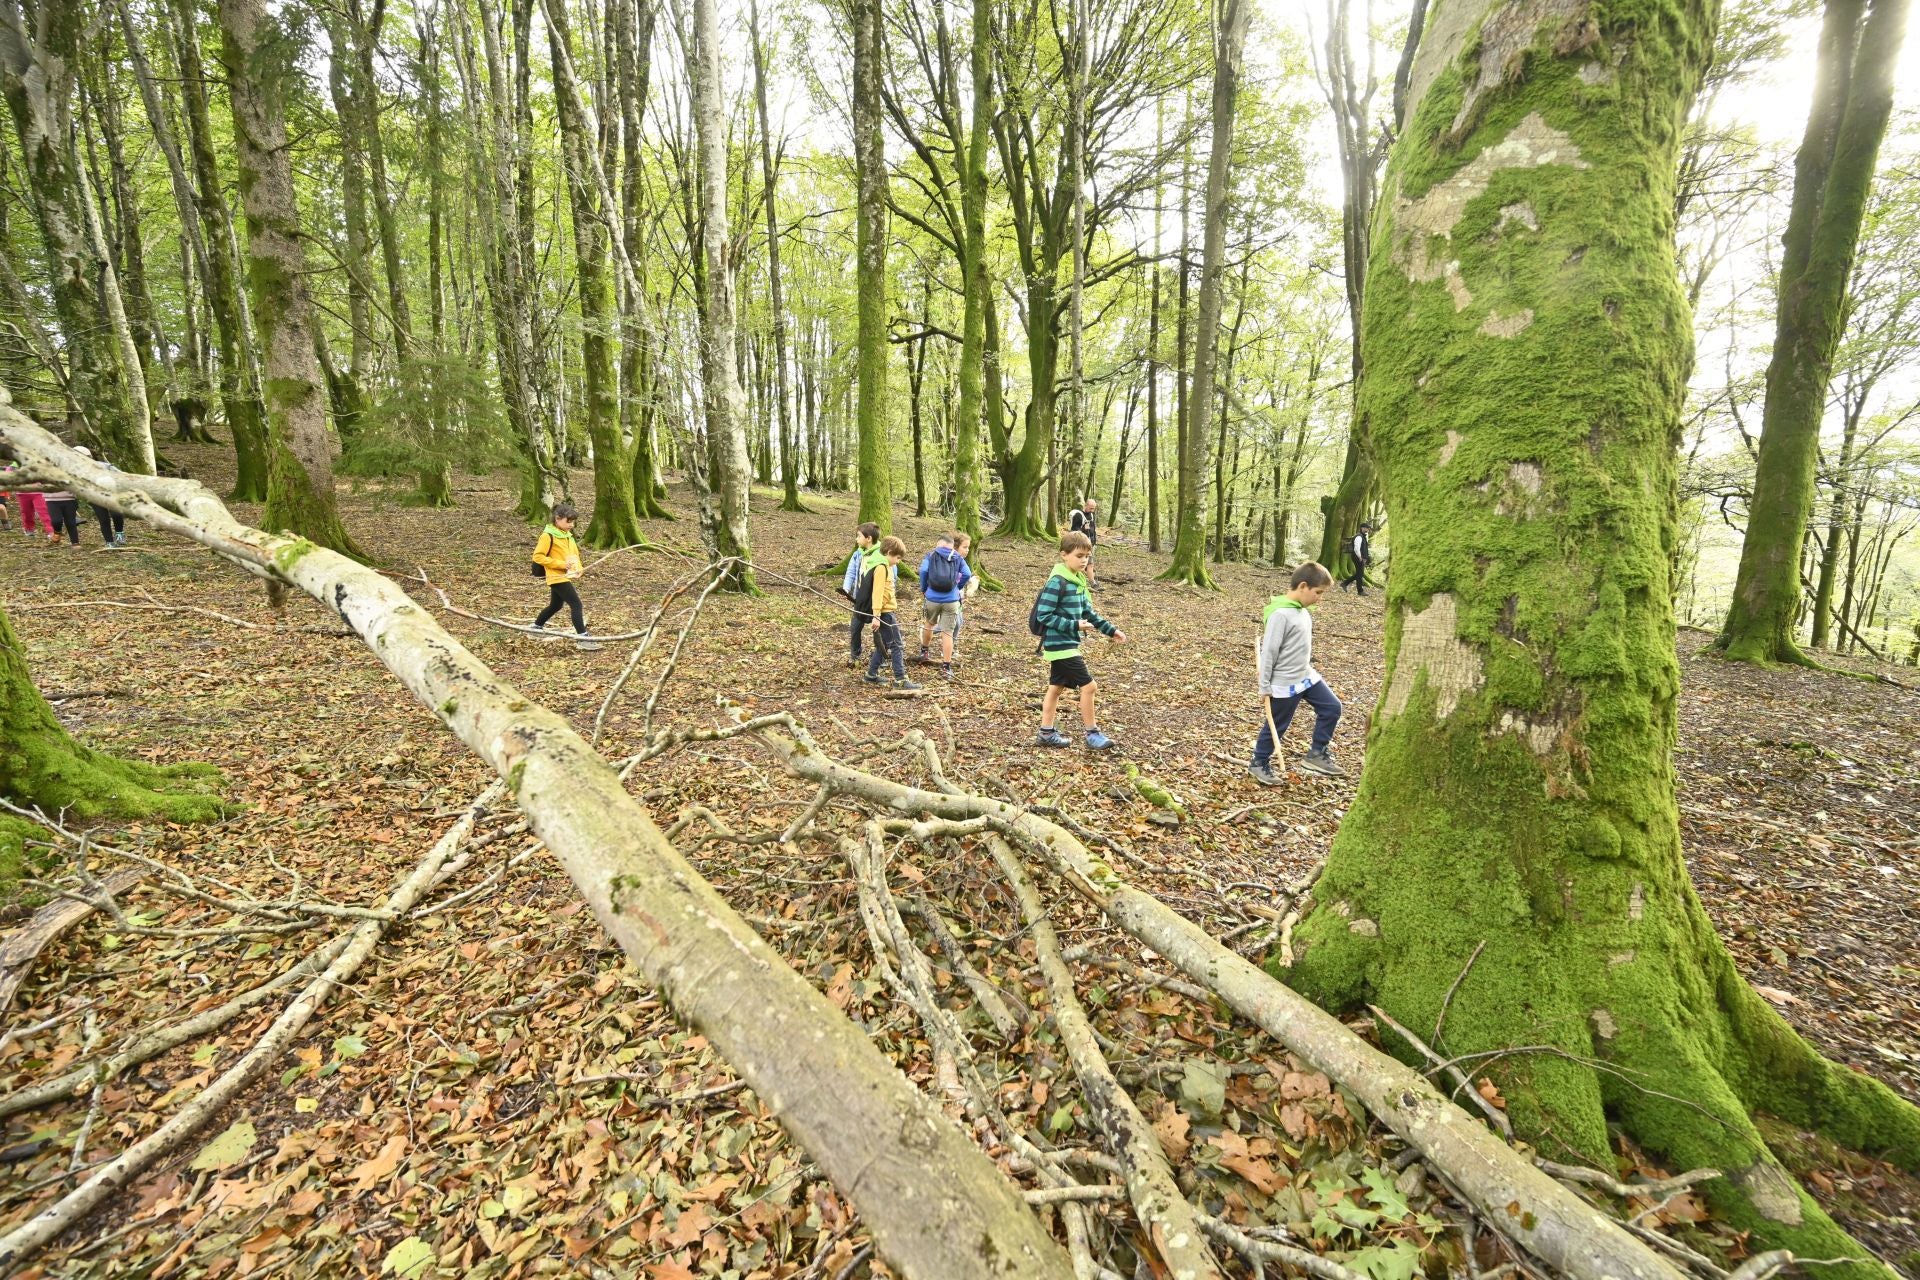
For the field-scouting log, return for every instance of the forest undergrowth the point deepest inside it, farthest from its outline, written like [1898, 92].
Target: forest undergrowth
[495, 1094]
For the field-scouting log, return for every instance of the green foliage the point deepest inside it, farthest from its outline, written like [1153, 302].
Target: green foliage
[439, 412]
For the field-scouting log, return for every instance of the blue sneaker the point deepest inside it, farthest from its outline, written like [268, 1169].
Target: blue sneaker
[1050, 738]
[1098, 741]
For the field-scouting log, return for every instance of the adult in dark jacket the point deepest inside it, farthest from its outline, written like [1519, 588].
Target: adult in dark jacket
[1362, 552]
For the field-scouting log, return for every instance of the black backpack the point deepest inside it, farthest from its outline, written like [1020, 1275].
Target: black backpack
[539, 570]
[943, 574]
[1034, 625]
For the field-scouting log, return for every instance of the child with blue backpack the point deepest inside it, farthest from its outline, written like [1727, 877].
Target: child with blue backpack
[943, 581]
[1062, 613]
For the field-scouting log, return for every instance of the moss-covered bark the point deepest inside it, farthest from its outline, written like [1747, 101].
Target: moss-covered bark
[870, 237]
[41, 765]
[1527, 347]
[239, 392]
[37, 65]
[300, 496]
[1833, 173]
[612, 523]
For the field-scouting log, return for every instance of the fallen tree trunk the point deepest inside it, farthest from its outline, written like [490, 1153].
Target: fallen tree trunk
[1521, 1202]
[23, 946]
[937, 1207]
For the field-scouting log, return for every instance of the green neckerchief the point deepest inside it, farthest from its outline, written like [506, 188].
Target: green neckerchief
[870, 556]
[1276, 604]
[1063, 570]
[557, 534]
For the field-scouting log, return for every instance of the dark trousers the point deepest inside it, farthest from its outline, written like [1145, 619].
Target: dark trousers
[111, 522]
[1326, 714]
[563, 593]
[1359, 579]
[65, 514]
[856, 629]
[886, 642]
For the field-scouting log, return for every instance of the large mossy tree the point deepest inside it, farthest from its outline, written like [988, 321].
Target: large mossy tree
[1527, 348]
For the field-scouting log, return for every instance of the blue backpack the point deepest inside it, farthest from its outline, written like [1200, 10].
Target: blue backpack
[943, 574]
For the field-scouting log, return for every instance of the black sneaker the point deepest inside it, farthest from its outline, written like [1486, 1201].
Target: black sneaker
[1321, 762]
[873, 677]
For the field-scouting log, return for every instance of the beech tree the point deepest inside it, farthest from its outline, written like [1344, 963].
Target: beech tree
[1833, 174]
[37, 78]
[255, 53]
[1189, 546]
[723, 505]
[1526, 344]
[870, 232]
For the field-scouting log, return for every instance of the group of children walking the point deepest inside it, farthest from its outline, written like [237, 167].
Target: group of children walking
[871, 580]
[1062, 618]
[58, 513]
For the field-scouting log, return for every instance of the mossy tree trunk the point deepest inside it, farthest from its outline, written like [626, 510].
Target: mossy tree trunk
[37, 70]
[870, 235]
[41, 765]
[613, 523]
[1833, 175]
[1190, 536]
[723, 507]
[632, 51]
[240, 394]
[300, 496]
[1527, 349]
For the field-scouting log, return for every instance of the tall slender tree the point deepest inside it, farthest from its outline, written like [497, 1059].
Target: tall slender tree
[37, 78]
[240, 391]
[870, 240]
[723, 507]
[1833, 175]
[613, 523]
[1190, 538]
[776, 291]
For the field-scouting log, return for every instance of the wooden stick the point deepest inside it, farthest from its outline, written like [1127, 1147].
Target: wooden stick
[23, 946]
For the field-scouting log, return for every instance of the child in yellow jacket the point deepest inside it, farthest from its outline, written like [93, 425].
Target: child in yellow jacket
[876, 598]
[559, 555]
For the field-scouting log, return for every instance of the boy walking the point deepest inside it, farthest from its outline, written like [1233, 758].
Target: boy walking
[1285, 660]
[865, 555]
[943, 581]
[558, 553]
[877, 588]
[1064, 612]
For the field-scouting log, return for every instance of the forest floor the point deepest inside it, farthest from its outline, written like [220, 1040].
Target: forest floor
[496, 1094]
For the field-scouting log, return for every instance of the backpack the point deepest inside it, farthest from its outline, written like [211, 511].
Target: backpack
[539, 570]
[1034, 626]
[943, 574]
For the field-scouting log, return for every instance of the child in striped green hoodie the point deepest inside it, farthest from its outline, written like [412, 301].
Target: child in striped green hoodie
[1063, 612]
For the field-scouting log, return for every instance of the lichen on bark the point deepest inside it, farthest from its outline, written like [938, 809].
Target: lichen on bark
[1519, 786]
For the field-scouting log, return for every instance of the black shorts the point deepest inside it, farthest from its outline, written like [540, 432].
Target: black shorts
[1069, 673]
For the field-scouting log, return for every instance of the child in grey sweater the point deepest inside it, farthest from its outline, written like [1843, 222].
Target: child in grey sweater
[1287, 677]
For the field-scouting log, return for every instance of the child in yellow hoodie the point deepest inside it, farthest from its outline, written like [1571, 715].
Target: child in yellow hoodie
[559, 555]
